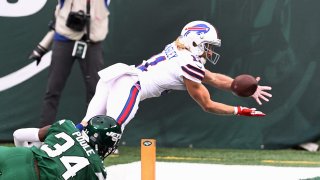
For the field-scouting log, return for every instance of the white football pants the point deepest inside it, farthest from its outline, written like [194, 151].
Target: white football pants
[118, 98]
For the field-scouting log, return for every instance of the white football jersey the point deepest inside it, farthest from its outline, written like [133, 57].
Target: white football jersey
[165, 71]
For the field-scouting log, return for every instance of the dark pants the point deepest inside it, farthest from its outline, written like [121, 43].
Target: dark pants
[59, 71]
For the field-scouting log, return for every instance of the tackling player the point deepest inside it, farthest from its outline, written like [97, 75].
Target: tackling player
[66, 153]
[180, 66]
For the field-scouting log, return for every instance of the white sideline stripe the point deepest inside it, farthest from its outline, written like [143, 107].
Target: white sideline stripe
[192, 171]
[24, 73]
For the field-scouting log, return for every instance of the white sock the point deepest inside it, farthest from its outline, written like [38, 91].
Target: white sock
[25, 137]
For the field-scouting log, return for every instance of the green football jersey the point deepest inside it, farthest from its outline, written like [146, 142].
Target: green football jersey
[66, 155]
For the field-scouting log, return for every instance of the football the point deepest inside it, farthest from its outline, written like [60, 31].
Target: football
[244, 85]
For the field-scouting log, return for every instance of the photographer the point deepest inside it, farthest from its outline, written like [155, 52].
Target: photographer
[78, 34]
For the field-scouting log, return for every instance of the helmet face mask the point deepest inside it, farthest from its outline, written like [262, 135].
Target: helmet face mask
[201, 37]
[208, 52]
[103, 134]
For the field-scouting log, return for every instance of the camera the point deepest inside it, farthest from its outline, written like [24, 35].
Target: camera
[77, 20]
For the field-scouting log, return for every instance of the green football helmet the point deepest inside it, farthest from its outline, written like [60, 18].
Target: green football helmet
[103, 134]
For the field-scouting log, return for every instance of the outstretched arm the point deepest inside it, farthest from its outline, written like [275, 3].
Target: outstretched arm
[223, 82]
[202, 96]
[217, 80]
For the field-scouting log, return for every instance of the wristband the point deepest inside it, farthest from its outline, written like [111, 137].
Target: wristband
[235, 110]
[79, 127]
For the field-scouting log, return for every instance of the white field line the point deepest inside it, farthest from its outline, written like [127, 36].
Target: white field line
[195, 171]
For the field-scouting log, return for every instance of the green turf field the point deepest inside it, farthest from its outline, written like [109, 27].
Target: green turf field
[290, 158]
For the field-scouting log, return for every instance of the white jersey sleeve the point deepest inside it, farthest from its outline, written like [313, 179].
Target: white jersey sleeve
[193, 69]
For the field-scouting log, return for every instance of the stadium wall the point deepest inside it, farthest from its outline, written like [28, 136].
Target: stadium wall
[277, 40]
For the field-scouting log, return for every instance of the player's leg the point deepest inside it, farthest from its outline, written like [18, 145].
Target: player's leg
[124, 98]
[98, 103]
[17, 163]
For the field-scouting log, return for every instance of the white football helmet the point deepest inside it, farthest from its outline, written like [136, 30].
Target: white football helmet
[200, 38]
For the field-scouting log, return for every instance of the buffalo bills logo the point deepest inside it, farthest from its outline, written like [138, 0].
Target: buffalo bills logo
[199, 29]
